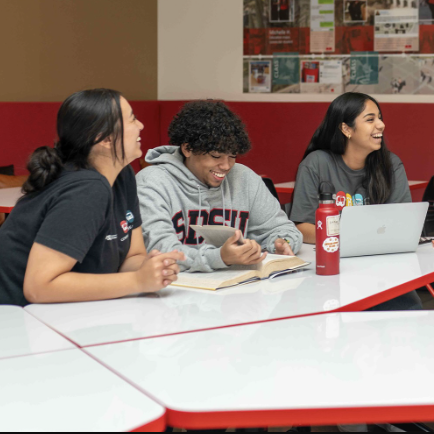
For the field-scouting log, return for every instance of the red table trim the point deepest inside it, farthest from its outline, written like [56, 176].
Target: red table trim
[384, 296]
[6, 209]
[422, 184]
[158, 425]
[300, 417]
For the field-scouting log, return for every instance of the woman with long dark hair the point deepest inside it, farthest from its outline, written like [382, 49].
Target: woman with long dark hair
[348, 156]
[348, 153]
[76, 235]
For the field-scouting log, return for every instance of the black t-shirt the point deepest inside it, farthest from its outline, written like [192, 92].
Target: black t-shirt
[79, 215]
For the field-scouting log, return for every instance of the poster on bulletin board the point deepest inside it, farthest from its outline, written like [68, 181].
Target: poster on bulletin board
[334, 46]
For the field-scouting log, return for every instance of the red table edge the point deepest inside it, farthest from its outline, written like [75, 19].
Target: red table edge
[298, 417]
[287, 190]
[384, 296]
[157, 425]
[6, 209]
[422, 184]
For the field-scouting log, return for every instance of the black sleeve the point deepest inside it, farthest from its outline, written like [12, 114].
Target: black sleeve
[75, 218]
[132, 196]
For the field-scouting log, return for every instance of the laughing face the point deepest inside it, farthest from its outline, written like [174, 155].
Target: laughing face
[132, 129]
[367, 134]
[211, 169]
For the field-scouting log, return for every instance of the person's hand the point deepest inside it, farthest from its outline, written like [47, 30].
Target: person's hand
[248, 253]
[283, 248]
[158, 270]
[153, 253]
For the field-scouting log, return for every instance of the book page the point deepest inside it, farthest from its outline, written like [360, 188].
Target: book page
[216, 235]
[289, 261]
[212, 280]
[280, 263]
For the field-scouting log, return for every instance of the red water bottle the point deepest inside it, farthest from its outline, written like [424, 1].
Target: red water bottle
[327, 236]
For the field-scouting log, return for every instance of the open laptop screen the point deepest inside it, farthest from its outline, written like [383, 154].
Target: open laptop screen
[380, 229]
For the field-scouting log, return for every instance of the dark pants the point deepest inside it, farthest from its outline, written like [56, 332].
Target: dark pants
[410, 301]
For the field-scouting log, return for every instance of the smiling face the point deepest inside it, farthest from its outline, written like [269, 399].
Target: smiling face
[367, 134]
[212, 168]
[132, 129]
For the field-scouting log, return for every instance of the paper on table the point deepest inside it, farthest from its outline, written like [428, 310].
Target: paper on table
[241, 274]
[207, 280]
[216, 235]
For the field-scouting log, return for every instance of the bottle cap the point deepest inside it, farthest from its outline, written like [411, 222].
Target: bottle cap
[326, 196]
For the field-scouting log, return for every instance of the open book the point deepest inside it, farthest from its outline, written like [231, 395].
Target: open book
[216, 235]
[272, 266]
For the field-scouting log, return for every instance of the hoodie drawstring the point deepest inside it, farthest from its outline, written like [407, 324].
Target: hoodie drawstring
[200, 211]
[224, 209]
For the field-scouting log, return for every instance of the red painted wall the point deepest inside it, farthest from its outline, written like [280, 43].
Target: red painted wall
[280, 132]
[26, 126]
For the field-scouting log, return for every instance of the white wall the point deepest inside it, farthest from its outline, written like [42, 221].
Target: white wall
[200, 54]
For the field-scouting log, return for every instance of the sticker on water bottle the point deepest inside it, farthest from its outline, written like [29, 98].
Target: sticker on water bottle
[332, 225]
[331, 244]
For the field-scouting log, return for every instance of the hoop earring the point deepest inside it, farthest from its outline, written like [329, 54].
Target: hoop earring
[349, 136]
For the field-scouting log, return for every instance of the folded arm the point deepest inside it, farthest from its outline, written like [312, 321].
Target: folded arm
[49, 278]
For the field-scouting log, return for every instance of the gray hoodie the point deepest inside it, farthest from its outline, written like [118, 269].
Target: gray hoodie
[171, 199]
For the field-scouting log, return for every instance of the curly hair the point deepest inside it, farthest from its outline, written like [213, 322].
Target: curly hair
[207, 126]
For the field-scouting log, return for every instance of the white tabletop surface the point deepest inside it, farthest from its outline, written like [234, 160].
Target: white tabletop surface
[286, 184]
[363, 361]
[21, 334]
[410, 183]
[69, 391]
[9, 196]
[176, 310]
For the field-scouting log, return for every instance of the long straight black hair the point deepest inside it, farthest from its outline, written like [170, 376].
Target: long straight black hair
[84, 119]
[329, 137]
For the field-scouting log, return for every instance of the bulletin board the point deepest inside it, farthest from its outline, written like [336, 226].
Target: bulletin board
[336, 46]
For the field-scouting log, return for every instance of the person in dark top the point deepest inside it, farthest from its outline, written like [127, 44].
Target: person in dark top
[76, 233]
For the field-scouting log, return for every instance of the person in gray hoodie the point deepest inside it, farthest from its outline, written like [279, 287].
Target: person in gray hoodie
[196, 181]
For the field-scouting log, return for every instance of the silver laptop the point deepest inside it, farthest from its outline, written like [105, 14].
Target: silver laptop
[380, 229]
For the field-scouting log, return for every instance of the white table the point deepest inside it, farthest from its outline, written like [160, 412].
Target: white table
[337, 368]
[69, 391]
[364, 282]
[21, 334]
[9, 198]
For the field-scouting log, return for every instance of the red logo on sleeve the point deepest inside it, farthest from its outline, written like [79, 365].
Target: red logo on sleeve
[124, 225]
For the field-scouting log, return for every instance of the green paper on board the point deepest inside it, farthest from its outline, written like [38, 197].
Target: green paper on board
[364, 68]
[286, 69]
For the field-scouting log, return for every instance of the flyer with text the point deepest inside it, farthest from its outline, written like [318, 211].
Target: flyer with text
[260, 76]
[397, 28]
[322, 26]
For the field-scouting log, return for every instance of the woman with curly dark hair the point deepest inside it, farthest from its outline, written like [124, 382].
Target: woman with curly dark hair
[196, 181]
